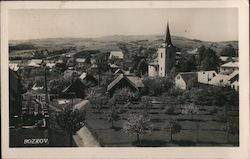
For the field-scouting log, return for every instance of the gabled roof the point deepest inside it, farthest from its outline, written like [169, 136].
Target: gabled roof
[77, 84]
[136, 82]
[35, 62]
[234, 76]
[113, 65]
[188, 76]
[117, 54]
[225, 58]
[118, 71]
[83, 76]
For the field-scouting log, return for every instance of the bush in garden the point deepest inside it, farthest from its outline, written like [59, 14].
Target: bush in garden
[190, 109]
[123, 95]
[169, 110]
[156, 86]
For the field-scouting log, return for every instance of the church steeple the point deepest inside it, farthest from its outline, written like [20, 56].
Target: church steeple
[168, 37]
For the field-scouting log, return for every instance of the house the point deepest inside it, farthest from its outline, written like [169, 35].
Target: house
[75, 89]
[13, 66]
[116, 54]
[35, 63]
[69, 74]
[227, 58]
[35, 87]
[223, 79]
[229, 67]
[153, 68]
[193, 52]
[235, 85]
[206, 76]
[185, 79]
[166, 58]
[80, 60]
[118, 72]
[79, 86]
[88, 80]
[113, 67]
[220, 80]
[15, 98]
[50, 65]
[122, 81]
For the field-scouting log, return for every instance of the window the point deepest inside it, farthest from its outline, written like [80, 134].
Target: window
[161, 68]
[161, 55]
[203, 72]
[178, 77]
[213, 74]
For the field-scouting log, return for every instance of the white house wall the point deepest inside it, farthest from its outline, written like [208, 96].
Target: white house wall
[180, 83]
[152, 71]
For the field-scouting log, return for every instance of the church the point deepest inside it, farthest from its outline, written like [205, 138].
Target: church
[165, 60]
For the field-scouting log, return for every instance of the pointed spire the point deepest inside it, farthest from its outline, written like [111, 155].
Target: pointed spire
[168, 37]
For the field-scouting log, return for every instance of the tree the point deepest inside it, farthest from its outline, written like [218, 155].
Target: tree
[145, 104]
[102, 65]
[97, 100]
[228, 51]
[190, 109]
[187, 64]
[157, 86]
[142, 67]
[137, 125]
[71, 121]
[57, 85]
[172, 127]
[207, 59]
[123, 95]
[113, 114]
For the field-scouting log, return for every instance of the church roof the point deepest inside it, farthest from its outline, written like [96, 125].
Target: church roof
[168, 36]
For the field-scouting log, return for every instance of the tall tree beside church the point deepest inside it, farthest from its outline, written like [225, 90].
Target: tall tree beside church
[207, 59]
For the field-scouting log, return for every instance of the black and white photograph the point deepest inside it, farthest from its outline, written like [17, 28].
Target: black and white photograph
[124, 77]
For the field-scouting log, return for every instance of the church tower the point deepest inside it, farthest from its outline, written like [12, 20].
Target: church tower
[166, 55]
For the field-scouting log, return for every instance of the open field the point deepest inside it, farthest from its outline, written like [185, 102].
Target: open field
[210, 131]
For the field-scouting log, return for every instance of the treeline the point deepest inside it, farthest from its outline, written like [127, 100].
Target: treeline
[22, 47]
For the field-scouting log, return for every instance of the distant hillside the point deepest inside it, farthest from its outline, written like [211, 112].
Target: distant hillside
[110, 42]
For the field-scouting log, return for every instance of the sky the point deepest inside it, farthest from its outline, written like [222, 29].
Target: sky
[212, 24]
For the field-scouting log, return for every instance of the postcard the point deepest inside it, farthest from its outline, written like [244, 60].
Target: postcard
[125, 79]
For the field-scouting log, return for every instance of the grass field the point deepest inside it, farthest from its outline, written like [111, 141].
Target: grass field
[210, 132]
